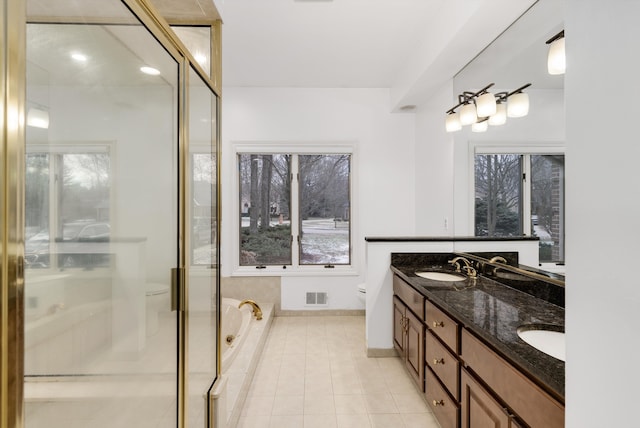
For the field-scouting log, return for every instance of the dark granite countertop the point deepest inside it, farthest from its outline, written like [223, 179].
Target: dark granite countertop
[493, 312]
[447, 238]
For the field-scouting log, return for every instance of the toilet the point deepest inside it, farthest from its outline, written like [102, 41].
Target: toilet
[157, 299]
[362, 293]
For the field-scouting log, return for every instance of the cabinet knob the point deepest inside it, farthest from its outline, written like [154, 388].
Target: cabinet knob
[438, 403]
[438, 324]
[438, 361]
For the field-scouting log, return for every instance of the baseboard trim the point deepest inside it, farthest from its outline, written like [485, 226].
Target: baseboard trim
[320, 313]
[381, 352]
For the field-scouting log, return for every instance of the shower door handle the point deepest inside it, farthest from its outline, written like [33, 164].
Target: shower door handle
[177, 289]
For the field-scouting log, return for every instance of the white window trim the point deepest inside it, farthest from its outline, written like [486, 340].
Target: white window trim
[302, 148]
[497, 148]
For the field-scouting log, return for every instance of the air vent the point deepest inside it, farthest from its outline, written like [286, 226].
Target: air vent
[317, 298]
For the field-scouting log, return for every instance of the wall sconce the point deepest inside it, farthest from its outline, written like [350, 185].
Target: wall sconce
[557, 60]
[481, 109]
[38, 118]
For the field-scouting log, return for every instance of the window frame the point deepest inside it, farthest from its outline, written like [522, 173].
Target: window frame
[295, 269]
[524, 149]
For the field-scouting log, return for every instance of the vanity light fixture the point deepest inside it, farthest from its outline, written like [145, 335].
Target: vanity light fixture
[452, 122]
[481, 109]
[481, 125]
[500, 116]
[556, 60]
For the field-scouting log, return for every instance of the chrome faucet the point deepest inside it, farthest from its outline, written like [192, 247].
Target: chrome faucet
[468, 267]
[257, 312]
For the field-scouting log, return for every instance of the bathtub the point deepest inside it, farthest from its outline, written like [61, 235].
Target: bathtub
[233, 329]
[242, 338]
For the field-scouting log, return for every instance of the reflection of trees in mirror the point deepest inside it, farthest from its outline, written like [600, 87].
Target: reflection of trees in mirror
[497, 195]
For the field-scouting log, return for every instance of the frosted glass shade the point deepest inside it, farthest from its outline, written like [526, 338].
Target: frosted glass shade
[38, 118]
[480, 126]
[518, 105]
[452, 122]
[486, 105]
[468, 114]
[500, 116]
[556, 61]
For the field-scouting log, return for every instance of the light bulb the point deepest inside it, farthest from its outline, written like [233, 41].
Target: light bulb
[518, 105]
[468, 114]
[556, 61]
[500, 116]
[486, 105]
[452, 122]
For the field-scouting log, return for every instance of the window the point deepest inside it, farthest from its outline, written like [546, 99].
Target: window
[522, 194]
[294, 209]
[67, 211]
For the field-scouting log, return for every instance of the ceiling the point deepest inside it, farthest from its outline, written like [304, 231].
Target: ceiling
[339, 43]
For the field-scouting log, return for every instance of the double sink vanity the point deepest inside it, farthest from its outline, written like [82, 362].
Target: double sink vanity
[482, 337]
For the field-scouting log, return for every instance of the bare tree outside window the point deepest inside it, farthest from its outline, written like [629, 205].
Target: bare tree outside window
[323, 209]
[265, 226]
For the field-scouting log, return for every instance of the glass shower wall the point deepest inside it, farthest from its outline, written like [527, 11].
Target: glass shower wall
[101, 221]
[203, 294]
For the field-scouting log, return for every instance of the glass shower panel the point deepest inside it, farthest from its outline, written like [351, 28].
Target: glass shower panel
[203, 293]
[101, 225]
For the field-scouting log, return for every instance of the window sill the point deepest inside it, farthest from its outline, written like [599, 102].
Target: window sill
[295, 271]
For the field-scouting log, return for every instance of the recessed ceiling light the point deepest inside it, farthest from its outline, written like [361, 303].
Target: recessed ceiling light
[150, 71]
[77, 56]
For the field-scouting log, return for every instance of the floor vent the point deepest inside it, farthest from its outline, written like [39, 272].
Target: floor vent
[316, 298]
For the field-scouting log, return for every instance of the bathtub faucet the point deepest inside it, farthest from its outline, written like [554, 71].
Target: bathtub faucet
[256, 309]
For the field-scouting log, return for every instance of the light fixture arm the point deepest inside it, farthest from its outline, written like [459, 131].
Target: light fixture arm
[466, 97]
[560, 35]
[502, 96]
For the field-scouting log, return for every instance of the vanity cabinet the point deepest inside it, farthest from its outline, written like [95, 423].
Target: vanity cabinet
[408, 329]
[512, 393]
[466, 382]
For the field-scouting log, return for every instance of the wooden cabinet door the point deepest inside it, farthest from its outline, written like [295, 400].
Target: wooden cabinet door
[479, 408]
[415, 349]
[398, 325]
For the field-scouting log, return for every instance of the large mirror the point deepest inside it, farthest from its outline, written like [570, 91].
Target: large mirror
[509, 179]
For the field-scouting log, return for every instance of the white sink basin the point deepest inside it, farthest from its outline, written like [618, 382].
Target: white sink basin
[441, 276]
[548, 341]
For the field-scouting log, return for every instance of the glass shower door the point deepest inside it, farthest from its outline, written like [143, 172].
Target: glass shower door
[101, 346]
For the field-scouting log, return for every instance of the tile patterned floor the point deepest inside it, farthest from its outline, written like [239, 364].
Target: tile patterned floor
[314, 372]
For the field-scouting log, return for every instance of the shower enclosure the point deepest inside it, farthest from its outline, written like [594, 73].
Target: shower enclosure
[121, 217]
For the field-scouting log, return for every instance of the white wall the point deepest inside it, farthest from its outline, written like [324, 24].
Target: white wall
[603, 292]
[384, 185]
[434, 167]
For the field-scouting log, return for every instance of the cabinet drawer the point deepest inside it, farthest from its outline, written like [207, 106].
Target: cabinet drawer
[444, 407]
[411, 298]
[442, 326]
[526, 399]
[443, 363]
